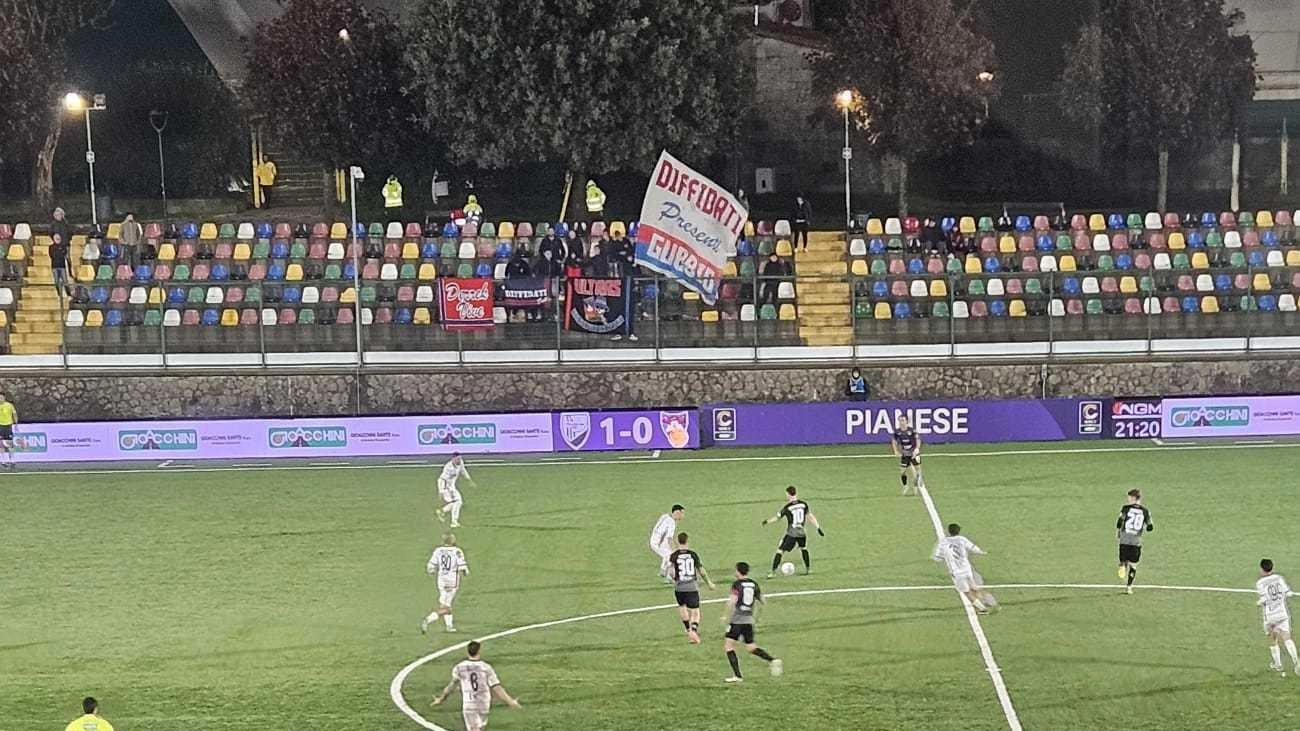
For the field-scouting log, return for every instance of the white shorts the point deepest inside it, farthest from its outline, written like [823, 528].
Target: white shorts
[448, 492]
[1277, 625]
[660, 551]
[475, 719]
[964, 582]
[447, 594]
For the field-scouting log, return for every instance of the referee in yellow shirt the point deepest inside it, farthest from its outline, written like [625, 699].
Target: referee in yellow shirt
[91, 721]
[8, 418]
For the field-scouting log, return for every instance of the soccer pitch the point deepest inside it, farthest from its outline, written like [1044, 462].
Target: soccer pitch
[221, 599]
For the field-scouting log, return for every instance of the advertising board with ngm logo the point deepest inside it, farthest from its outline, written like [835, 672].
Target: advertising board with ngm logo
[1231, 416]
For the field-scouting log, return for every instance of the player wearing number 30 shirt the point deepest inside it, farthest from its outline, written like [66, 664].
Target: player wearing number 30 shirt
[685, 570]
[478, 684]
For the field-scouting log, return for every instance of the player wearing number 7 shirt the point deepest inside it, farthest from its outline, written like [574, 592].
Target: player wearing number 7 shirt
[478, 684]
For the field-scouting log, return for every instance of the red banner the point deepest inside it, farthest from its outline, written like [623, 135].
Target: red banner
[466, 303]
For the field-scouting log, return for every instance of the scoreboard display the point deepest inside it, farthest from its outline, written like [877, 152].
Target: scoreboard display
[1135, 418]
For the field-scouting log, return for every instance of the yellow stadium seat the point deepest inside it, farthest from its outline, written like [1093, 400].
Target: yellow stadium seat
[208, 232]
[881, 311]
[156, 295]
[1293, 258]
[1096, 222]
[243, 252]
[114, 231]
[17, 252]
[618, 229]
[786, 312]
[973, 265]
[338, 231]
[4, 318]
[167, 252]
[1200, 260]
[875, 227]
[293, 273]
[428, 272]
[421, 316]
[86, 273]
[1067, 263]
[1264, 219]
[966, 225]
[506, 230]
[749, 228]
[348, 297]
[860, 268]
[229, 318]
[709, 316]
[1006, 245]
[783, 248]
[1260, 283]
[729, 268]
[1176, 241]
[1209, 304]
[94, 318]
[1017, 308]
[938, 288]
[1128, 285]
[690, 295]
[410, 250]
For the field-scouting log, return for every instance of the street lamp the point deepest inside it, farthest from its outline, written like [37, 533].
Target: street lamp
[158, 120]
[355, 173]
[75, 102]
[844, 100]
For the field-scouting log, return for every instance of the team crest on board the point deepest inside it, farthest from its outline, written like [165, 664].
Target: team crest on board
[676, 427]
[575, 428]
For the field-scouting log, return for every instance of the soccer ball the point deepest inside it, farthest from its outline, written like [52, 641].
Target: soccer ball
[787, 568]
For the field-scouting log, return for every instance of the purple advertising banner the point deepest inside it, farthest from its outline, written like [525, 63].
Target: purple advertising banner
[588, 431]
[873, 421]
[1230, 416]
[282, 438]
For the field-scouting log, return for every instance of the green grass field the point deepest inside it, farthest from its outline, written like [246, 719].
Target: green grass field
[287, 599]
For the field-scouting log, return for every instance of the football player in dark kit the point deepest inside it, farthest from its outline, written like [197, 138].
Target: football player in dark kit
[797, 514]
[1134, 520]
[745, 595]
[685, 570]
[907, 447]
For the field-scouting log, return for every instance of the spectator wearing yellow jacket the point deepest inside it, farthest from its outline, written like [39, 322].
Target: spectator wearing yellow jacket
[595, 202]
[392, 192]
[473, 211]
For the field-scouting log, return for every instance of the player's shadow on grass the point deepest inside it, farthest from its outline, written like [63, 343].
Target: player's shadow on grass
[316, 532]
[534, 528]
[1229, 681]
[874, 618]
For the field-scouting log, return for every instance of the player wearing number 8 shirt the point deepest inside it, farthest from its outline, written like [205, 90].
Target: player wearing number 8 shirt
[796, 513]
[1134, 520]
[745, 595]
[685, 569]
[478, 684]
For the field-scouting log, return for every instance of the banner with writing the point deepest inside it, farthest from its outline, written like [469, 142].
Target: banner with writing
[465, 303]
[597, 305]
[688, 225]
[526, 291]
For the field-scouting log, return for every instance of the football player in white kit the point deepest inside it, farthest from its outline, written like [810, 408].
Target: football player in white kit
[662, 536]
[1273, 592]
[451, 500]
[478, 684]
[447, 564]
[954, 551]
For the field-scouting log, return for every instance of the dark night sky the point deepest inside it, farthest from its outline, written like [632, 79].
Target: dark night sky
[139, 30]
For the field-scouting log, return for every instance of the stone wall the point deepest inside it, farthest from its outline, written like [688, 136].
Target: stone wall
[68, 397]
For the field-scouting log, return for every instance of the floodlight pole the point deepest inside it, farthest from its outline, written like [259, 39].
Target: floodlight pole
[354, 174]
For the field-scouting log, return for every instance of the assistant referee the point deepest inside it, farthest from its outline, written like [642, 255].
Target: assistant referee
[91, 721]
[8, 419]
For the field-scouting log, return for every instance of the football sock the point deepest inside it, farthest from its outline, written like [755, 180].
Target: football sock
[1277, 655]
[735, 662]
[762, 654]
[776, 561]
[1290, 650]
[807, 561]
[693, 626]
[433, 617]
[1132, 573]
[446, 619]
[455, 512]
[978, 604]
[903, 479]
[686, 625]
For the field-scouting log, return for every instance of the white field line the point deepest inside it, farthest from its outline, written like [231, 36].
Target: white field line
[990, 664]
[164, 464]
[395, 687]
[649, 460]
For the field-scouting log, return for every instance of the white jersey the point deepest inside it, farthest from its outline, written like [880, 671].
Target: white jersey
[453, 471]
[448, 563]
[477, 679]
[955, 553]
[1273, 592]
[662, 535]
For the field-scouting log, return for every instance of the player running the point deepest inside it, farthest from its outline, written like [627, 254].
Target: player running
[745, 595]
[796, 513]
[906, 444]
[955, 550]
[448, 562]
[1273, 592]
[1134, 520]
[661, 538]
[686, 569]
[451, 500]
[8, 420]
[478, 683]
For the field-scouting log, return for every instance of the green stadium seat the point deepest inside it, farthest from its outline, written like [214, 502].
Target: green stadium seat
[368, 295]
[1237, 260]
[298, 250]
[1105, 262]
[1064, 242]
[181, 273]
[253, 295]
[940, 310]
[376, 230]
[1181, 261]
[104, 273]
[152, 318]
[1094, 307]
[262, 250]
[407, 272]
[1146, 284]
[1134, 221]
[449, 250]
[196, 295]
[747, 268]
[767, 312]
[465, 270]
[766, 247]
[986, 224]
[1033, 286]
[862, 310]
[954, 266]
[976, 288]
[306, 316]
[227, 231]
[1214, 240]
[333, 272]
[1246, 219]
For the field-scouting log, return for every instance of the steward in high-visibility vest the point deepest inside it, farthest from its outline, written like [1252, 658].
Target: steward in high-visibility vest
[595, 200]
[392, 193]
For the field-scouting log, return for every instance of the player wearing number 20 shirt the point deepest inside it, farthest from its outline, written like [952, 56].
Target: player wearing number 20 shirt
[1134, 520]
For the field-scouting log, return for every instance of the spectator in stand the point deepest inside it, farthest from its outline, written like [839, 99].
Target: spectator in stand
[552, 244]
[856, 387]
[932, 235]
[744, 201]
[1004, 224]
[132, 239]
[576, 246]
[59, 263]
[518, 265]
[595, 202]
[802, 214]
[623, 257]
[60, 226]
[573, 265]
[265, 171]
[548, 264]
[473, 211]
[773, 270]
